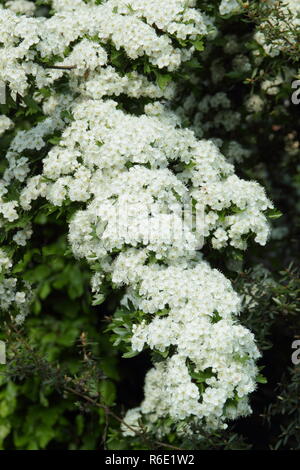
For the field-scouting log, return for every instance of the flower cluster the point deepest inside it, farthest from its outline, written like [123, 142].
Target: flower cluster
[130, 26]
[119, 165]
[193, 309]
[130, 178]
[229, 7]
[5, 124]
[13, 298]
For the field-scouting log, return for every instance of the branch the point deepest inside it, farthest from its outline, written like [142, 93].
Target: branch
[61, 67]
[81, 393]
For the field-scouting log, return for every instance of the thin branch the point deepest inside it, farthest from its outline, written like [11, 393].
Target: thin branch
[61, 67]
[116, 417]
[87, 398]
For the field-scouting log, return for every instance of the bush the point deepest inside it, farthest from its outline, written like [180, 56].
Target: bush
[140, 303]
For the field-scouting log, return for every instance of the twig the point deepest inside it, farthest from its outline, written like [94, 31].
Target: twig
[91, 401]
[116, 417]
[62, 67]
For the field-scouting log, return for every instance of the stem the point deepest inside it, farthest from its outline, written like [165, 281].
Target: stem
[116, 417]
[61, 67]
[91, 401]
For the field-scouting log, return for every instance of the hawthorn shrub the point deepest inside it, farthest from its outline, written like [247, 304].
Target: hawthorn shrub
[149, 224]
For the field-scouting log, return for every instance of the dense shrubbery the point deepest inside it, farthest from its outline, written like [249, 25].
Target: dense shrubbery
[141, 108]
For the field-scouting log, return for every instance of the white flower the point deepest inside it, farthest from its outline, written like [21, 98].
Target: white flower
[133, 176]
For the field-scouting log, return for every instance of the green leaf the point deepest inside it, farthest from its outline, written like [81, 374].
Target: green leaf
[33, 107]
[37, 274]
[198, 45]
[202, 376]
[261, 379]
[45, 290]
[98, 300]
[274, 214]
[130, 354]
[163, 80]
[107, 391]
[54, 140]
